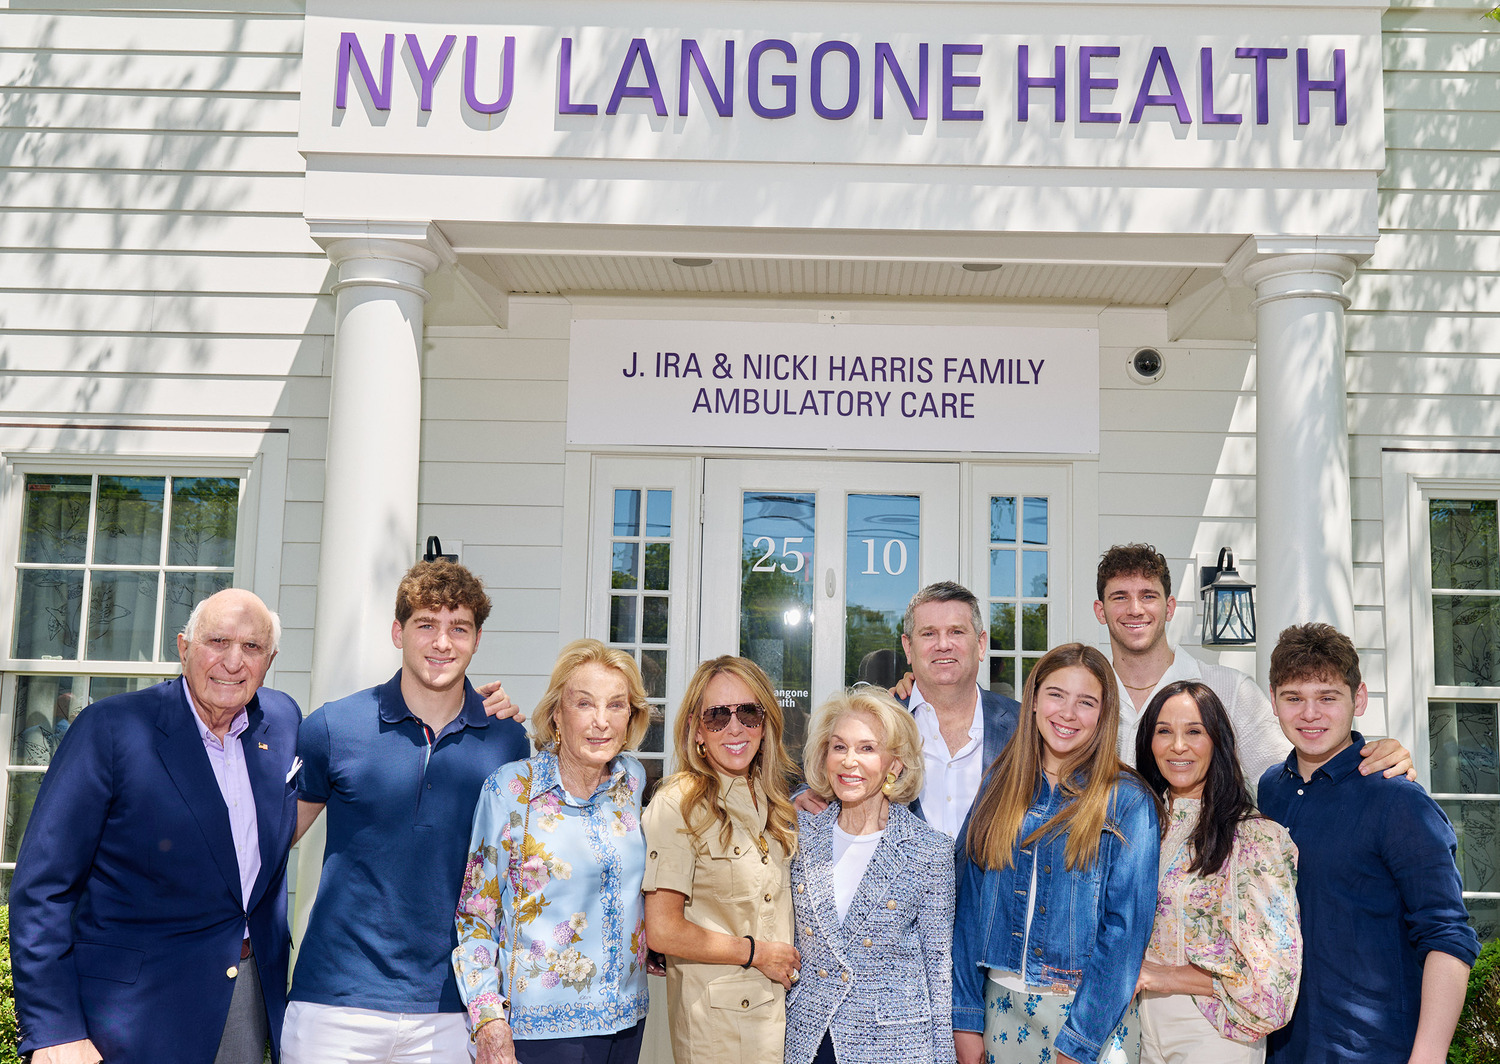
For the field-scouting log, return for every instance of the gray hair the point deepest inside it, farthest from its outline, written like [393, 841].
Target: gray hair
[942, 591]
[190, 630]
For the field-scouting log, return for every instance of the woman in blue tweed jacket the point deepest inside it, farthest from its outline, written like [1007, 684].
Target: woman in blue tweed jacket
[872, 887]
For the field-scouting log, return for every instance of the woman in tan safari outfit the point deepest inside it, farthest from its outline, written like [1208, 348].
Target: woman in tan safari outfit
[720, 835]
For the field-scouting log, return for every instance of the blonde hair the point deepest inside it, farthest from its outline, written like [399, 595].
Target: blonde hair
[769, 769]
[573, 657]
[894, 724]
[1086, 778]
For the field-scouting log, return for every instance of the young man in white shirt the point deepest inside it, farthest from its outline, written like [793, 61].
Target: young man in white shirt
[1135, 603]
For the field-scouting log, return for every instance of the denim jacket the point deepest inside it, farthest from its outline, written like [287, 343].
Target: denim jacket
[1090, 928]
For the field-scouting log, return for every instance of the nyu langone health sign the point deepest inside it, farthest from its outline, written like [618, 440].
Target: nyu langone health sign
[1178, 85]
[871, 387]
[950, 88]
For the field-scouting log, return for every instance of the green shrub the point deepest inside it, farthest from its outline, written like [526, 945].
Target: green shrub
[8, 1036]
[1477, 1040]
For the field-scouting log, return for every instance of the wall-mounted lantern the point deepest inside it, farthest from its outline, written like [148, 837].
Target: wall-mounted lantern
[1228, 604]
[434, 551]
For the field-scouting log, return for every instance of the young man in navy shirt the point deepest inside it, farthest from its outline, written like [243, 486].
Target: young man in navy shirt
[1387, 941]
[399, 768]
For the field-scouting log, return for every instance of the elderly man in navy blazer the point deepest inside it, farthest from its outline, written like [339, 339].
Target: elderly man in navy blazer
[148, 907]
[963, 726]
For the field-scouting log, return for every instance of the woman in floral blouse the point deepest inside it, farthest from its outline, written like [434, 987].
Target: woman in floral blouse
[1226, 950]
[551, 916]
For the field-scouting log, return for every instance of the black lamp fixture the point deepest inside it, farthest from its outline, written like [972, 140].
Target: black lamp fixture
[434, 552]
[1228, 604]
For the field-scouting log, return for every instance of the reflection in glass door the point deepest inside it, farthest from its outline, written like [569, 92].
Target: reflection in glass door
[826, 556]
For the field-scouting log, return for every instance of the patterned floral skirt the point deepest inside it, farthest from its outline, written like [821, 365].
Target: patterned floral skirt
[1019, 1028]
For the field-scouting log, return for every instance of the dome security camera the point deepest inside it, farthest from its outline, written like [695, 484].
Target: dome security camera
[1146, 366]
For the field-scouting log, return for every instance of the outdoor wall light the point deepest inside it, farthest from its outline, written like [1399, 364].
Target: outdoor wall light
[693, 264]
[1228, 604]
[434, 551]
[982, 267]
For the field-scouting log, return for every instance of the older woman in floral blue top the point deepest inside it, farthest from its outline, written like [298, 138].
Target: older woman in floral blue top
[551, 916]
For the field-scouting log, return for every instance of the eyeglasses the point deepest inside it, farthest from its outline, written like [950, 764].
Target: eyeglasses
[716, 718]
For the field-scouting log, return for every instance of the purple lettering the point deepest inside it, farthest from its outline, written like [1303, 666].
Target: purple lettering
[953, 81]
[787, 83]
[565, 104]
[637, 53]
[1173, 97]
[349, 47]
[1087, 83]
[691, 56]
[1058, 83]
[851, 98]
[428, 74]
[885, 59]
[1262, 57]
[471, 77]
[1210, 117]
[1306, 87]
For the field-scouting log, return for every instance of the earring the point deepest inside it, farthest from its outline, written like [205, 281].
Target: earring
[890, 783]
[702, 750]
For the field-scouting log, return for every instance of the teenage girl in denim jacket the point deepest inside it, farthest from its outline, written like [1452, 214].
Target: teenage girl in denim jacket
[1057, 870]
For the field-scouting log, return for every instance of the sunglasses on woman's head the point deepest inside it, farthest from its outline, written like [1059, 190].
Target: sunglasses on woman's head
[716, 718]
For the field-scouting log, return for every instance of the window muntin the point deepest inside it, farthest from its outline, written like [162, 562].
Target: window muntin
[109, 565]
[1463, 711]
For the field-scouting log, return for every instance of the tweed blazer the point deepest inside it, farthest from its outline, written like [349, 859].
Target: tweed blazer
[880, 982]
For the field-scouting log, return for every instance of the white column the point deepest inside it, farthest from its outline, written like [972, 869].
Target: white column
[1304, 559]
[370, 476]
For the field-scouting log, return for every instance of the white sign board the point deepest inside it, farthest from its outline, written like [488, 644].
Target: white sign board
[872, 387]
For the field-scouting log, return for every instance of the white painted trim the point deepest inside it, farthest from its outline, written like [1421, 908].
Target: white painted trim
[1410, 475]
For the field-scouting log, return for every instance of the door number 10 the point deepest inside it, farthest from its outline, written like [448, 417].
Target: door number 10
[892, 556]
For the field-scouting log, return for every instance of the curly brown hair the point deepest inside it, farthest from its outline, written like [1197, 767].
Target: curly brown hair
[1133, 559]
[441, 585]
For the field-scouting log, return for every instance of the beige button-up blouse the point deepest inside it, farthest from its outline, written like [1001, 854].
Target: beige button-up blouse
[721, 1013]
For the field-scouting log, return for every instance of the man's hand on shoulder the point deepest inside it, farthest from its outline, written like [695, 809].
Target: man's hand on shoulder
[79, 1052]
[1388, 756]
[904, 685]
[809, 803]
[498, 704]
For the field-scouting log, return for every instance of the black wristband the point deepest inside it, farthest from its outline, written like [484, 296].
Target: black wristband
[750, 939]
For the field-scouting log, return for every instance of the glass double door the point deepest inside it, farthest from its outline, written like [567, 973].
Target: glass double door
[808, 567]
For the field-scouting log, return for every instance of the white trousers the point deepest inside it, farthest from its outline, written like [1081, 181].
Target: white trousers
[336, 1034]
[1173, 1031]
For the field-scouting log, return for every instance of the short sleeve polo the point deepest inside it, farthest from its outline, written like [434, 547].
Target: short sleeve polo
[400, 805]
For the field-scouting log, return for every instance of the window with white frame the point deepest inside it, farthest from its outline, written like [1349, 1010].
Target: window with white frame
[108, 566]
[1463, 706]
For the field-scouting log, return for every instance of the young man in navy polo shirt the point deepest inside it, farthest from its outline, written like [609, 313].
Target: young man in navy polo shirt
[399, 768]
[1387, 942]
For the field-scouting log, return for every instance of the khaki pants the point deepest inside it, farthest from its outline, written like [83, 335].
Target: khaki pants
[1173, 1031]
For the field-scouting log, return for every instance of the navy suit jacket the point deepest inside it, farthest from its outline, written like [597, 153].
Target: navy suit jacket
[126, 910]
[1000, 716]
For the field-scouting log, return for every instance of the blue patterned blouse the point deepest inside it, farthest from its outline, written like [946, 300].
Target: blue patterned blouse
[567, 896]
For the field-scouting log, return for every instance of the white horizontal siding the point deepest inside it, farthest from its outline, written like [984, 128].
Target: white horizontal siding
[1424, 324]
[154, 262]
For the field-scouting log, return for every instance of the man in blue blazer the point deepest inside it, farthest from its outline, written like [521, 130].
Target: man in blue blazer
[148, 907]
[963, 726]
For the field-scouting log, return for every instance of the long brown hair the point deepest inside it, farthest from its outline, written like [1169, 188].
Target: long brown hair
[769, 769]
[1086, 778]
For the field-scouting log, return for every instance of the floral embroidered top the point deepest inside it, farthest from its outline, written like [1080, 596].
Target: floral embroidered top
[1240, 924]
[563, 888]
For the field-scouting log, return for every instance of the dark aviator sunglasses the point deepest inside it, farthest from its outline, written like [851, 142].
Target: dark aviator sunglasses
[716, 718]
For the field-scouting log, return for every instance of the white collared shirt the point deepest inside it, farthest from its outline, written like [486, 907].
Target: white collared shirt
[952, 782]
[1256, 731]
